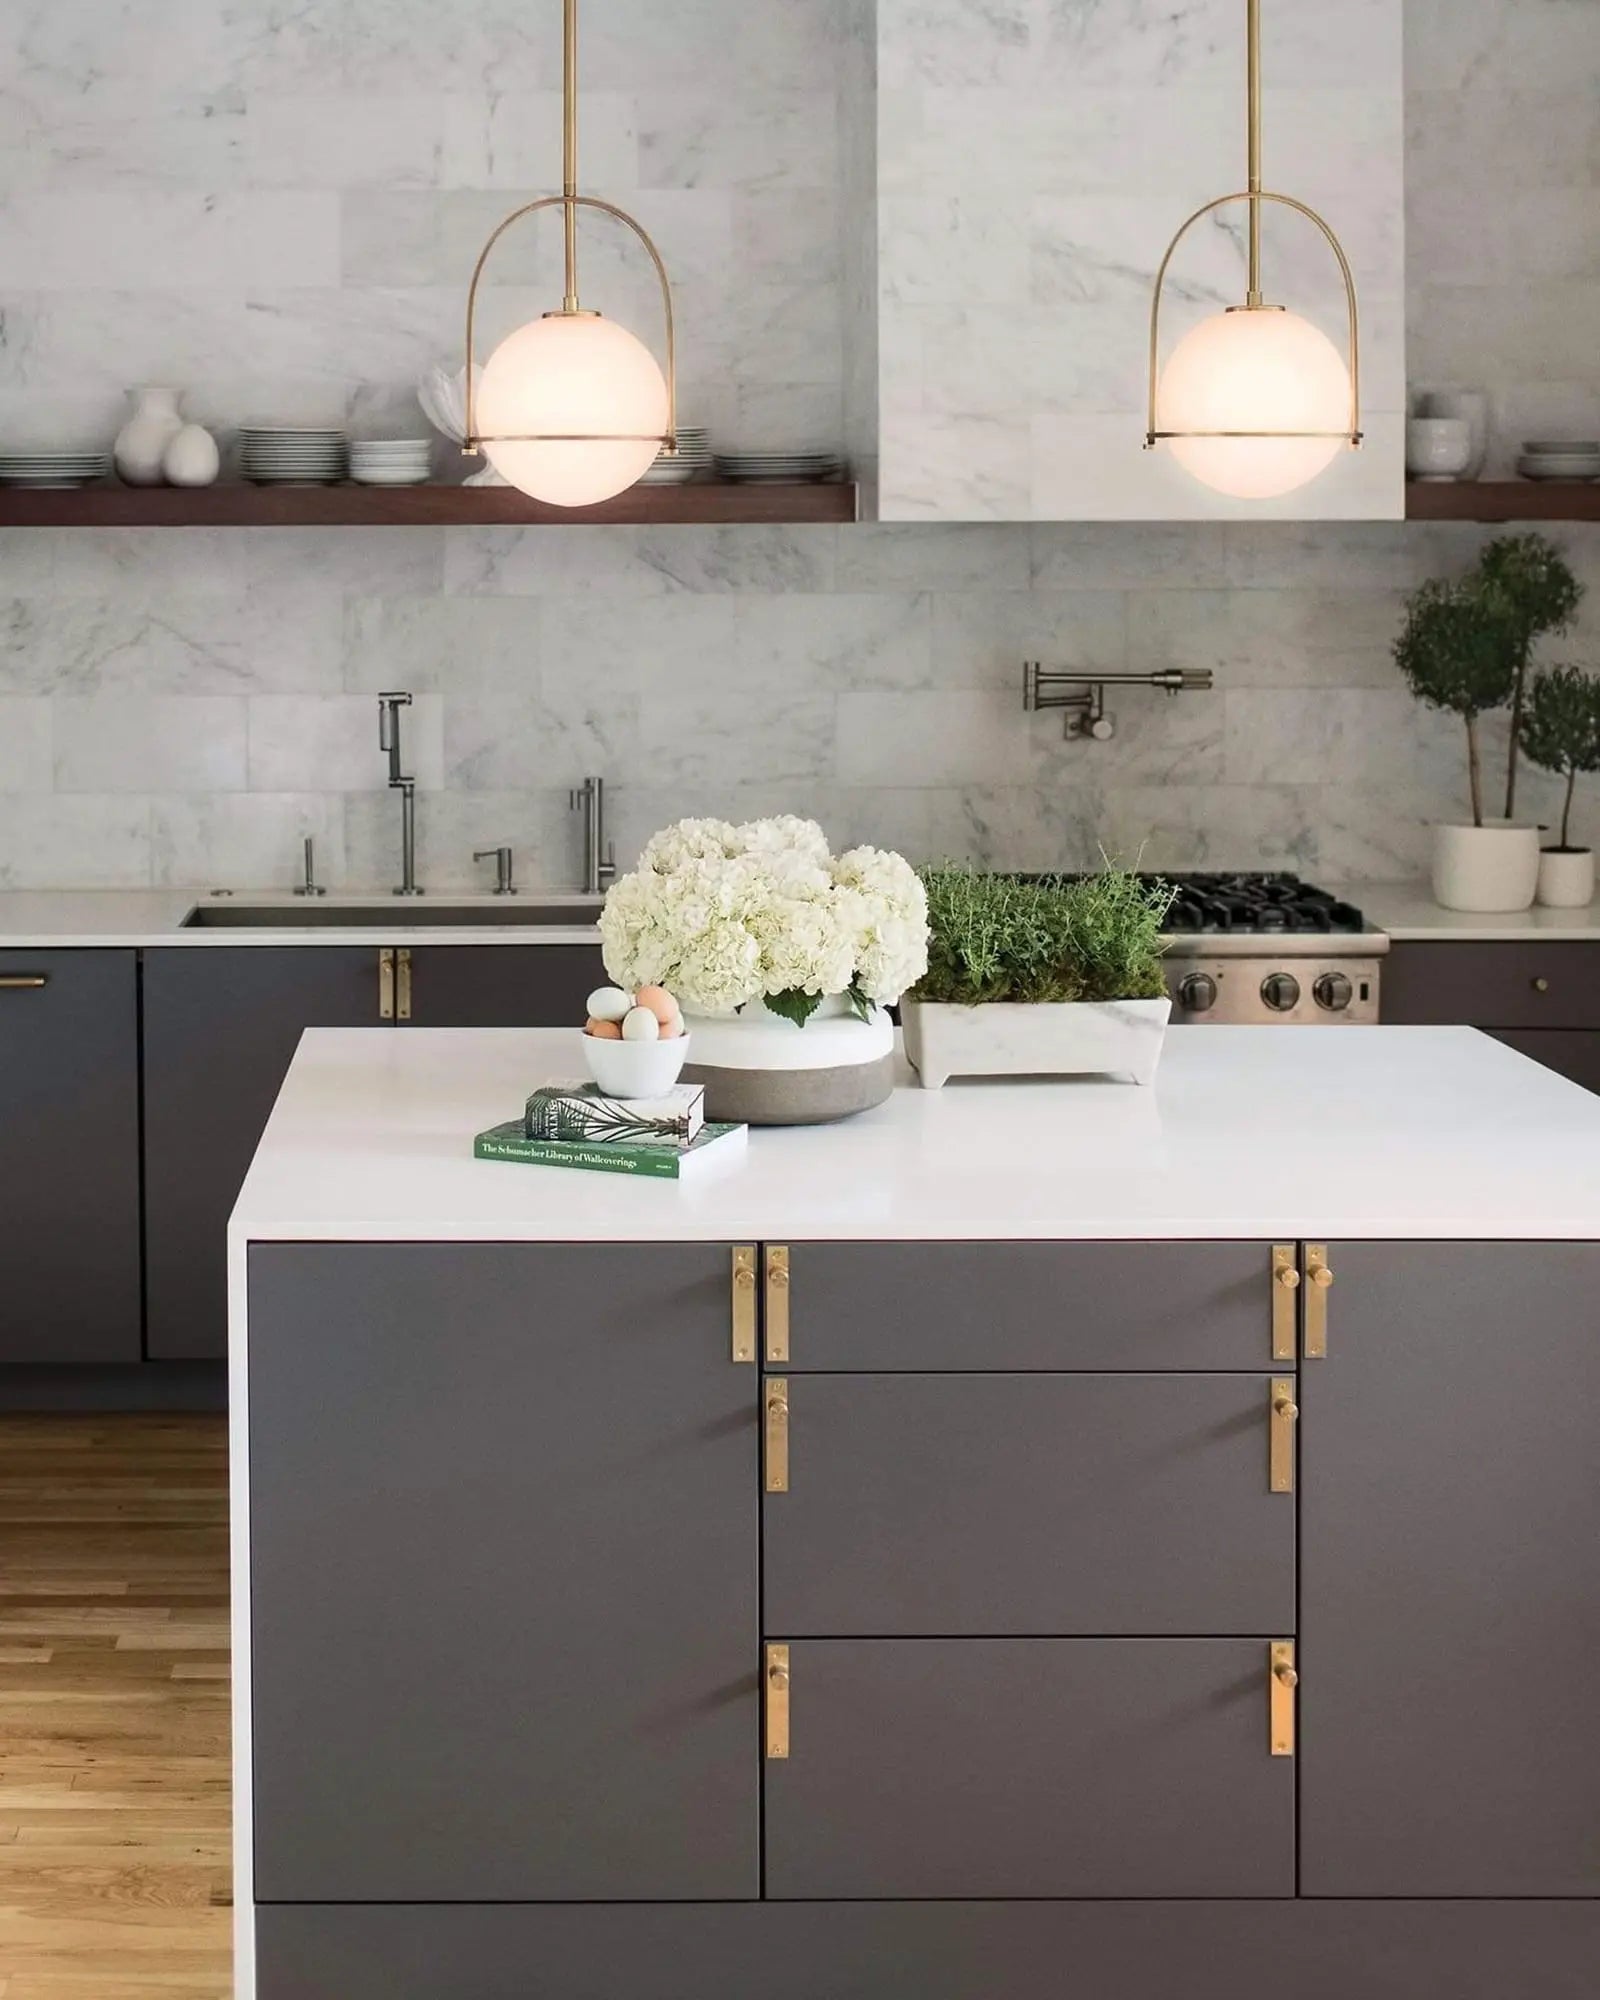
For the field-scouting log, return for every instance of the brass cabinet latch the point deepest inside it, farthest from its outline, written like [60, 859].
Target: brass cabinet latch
[1285, 1288]
[386, 984]
[775, 1689]
[744, 1302]
[1319, 1281]
[1281, 1683]
[402, 983]
[775, 1399]
[1283, 1415]
[777, 1302]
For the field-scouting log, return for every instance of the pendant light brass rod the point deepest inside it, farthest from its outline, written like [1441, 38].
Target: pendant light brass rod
[1253, 296]
[569, 138]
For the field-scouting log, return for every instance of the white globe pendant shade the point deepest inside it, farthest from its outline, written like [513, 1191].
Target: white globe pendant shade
[1255, 370]
[573, 376]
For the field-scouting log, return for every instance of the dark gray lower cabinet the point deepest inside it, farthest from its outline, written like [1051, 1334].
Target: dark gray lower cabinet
[69, 1157]
[1538, 996]
[1029, 1767]
[504, 1551]
[1450, 1493]
[503, 986]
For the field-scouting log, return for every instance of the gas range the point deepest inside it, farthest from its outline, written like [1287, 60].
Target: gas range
[1270, 949]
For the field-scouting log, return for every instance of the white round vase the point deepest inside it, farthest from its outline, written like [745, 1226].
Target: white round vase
[759, 1069]
[1490, 867]
[1566, 878]
[192, 458]
[142, 442]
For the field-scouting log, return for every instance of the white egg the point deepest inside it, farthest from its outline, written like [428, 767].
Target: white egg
[609, 1003]
[640, 1025]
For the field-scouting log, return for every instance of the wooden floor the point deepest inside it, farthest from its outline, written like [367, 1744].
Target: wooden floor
[114, 1708]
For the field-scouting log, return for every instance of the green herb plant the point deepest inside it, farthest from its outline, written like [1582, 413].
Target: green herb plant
[1561, 732]
[992, 938]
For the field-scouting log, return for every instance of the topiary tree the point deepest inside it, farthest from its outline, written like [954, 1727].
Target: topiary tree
[1457, 652]
[1539, 594]
[1561, 731]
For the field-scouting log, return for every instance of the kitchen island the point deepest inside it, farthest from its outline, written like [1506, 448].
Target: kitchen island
[1031, 1538]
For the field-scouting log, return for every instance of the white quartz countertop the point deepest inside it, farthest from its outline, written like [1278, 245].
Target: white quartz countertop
[1407, 911]
[133, 919]
[1247, 1133]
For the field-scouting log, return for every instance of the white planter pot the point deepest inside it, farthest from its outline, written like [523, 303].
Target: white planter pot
[1113, 1038]
[759, 1069]
[1492, 867]
[1566, 878]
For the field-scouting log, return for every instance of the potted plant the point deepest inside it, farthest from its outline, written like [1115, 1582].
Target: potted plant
[1560, 732]
[1053, 978]
[783, 956]
[1466, 647]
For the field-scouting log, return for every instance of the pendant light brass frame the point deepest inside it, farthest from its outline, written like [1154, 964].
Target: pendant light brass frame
[569, 201]
[1256, 195]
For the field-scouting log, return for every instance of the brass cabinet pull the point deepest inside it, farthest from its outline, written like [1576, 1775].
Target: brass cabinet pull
[744, 1302]
[1541, 985]
[1283, 1416]
[23, 982]
[777, 1435]
[1321, 1276]
[1285, 1284]
[777, 1701]
[402, 983]
[386, 984]
[777, 1302]
[1282, 1680]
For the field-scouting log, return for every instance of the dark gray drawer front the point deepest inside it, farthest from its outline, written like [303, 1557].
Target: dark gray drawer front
[944, 1505]
[1571, 1052]
[928, 1306]
[1493, 985]
[1029, 1767]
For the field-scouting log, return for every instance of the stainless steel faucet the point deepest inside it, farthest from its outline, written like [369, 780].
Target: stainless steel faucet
[1082, 693]
[504, 863]
[599, 857]
[389, 707]
[310, 886]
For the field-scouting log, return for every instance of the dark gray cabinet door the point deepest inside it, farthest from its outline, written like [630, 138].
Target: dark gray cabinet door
[220, 1028]
[69, 1157]
[503, 986]
[1046, 1504]
[504, 1551]
[1450, 1742]
[925, 1306]
[1029, 1767]
[1494, 983]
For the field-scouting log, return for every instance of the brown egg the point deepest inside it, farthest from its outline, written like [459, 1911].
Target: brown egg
[659, 1001]
[670, 1030]
[603, 1031]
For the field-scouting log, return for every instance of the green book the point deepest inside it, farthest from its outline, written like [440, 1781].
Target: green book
[664, 1162]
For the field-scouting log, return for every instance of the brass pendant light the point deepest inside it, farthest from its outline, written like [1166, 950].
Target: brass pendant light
[1255, 401]
[572, 407]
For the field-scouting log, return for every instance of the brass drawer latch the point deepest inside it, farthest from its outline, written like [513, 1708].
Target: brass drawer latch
[1283, 1415]
[777, 1302]
[1282, 1682]
[1285, 1290]
[775, 1400]
[744, 1302]
[776, 1691]
[1319, 1282]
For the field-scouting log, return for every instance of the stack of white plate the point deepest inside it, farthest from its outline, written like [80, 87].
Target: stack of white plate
[285, 455]
[756, 467]
[1547, 459]
[391, 461]
[692, 462]
[53, 468]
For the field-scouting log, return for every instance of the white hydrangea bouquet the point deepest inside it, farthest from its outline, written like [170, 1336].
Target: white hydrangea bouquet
[725, 915]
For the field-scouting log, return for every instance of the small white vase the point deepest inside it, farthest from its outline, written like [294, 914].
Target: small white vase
[1566, 878]
[192, 458]
[1469, 406]
[1489, 867]
[1438, 449]
[759, 1069]
[142, 442]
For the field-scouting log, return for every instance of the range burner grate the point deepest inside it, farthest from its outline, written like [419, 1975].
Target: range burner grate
[1251, 905]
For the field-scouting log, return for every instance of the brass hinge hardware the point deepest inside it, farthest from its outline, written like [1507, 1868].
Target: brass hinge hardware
[777, 1302]
[1283, 1417]
[1319, 1281]
[386, 984]
[776, 1689]
[1285, 1285]
[402, 984]
[776, 1401]
[1282, 1682]
[744, 1302]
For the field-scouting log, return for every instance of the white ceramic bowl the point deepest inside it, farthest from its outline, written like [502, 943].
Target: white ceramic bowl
[635, 1069]
[1438, 448]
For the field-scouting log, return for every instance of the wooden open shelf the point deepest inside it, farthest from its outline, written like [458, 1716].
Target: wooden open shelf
[234, 506]
[1503, 500]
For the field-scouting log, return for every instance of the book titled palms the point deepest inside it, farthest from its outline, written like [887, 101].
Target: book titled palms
[582, 1114]
[660, 1159]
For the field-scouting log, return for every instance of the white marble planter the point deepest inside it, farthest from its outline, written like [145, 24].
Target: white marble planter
[759, 1069]
[1114, 1038]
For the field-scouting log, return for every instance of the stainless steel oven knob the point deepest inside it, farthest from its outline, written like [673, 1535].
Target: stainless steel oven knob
[1333, 992]
[1281, 992]
[1197, 993]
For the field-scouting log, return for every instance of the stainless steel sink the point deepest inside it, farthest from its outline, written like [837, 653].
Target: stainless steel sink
[400, 915]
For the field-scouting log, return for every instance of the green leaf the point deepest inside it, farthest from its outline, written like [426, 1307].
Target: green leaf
[794, 1005]
[860, 1005]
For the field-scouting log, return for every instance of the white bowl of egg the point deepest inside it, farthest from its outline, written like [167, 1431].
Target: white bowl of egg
[634, 1043]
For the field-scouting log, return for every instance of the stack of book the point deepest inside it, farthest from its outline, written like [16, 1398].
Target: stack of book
[577, 1125]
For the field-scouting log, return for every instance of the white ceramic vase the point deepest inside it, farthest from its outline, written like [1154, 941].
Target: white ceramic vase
[1469, 406]
[759, 1069]
[1438, 449]
[1489, 867]
[192, 458]
[142, 442]
[1119, 1038]
[1566, 878]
